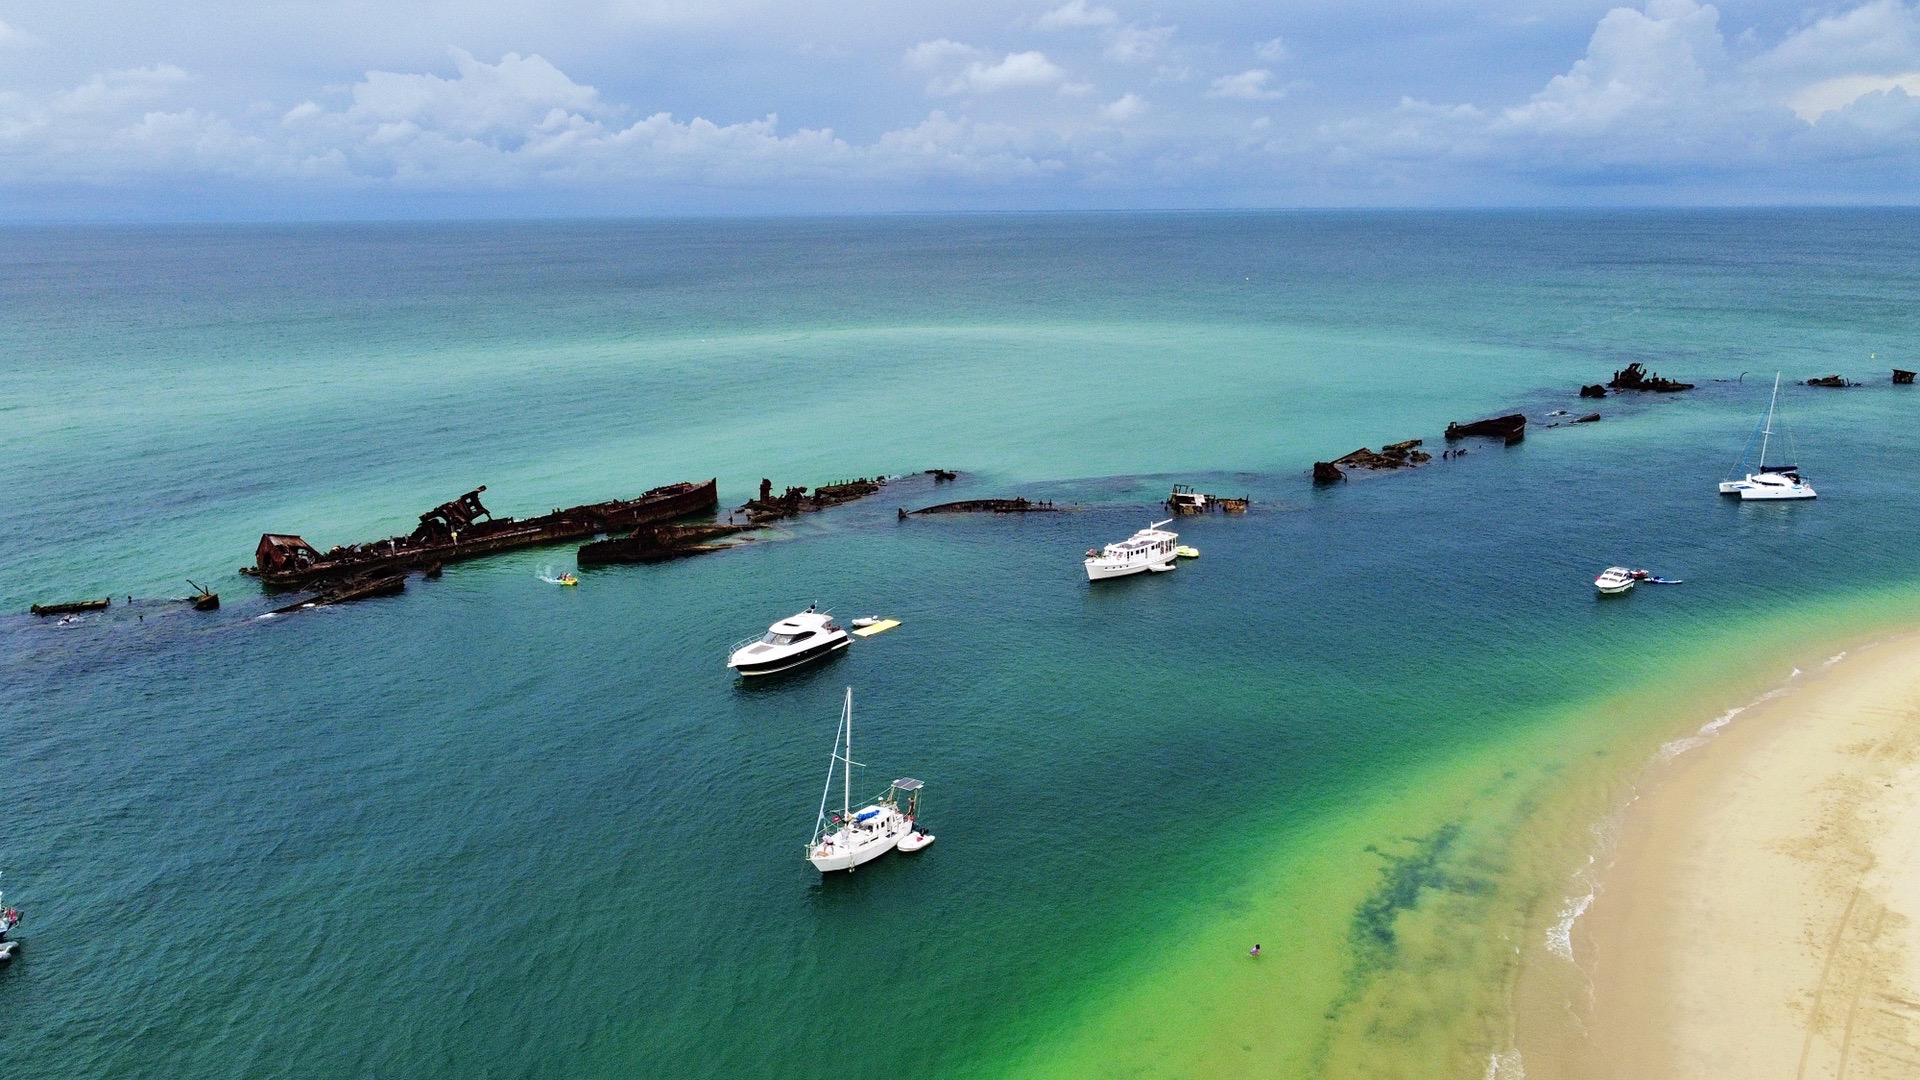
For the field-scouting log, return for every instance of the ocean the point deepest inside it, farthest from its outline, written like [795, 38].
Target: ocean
[496, 828]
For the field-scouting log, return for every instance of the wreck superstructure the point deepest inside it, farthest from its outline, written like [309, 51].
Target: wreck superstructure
[465, 529]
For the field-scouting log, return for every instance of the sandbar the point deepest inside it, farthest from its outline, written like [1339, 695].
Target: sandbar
[1756, 913]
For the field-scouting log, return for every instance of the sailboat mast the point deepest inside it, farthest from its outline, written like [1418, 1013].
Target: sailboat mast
[846, 792]
[1766, 432]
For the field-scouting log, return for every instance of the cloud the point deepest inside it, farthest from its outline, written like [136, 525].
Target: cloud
[1636, 62]
[483, 101]
[1657, 102]
[1127, 107]
[933, 55]
[516, 125]
[1137, 44]
[1018, 71]
[1075, 14]
[1247, 86]
[1880, 38]
[10, 35]
[1812, 102]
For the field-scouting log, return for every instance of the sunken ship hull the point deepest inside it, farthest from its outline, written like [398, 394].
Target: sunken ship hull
[659, 543]
[465, 529]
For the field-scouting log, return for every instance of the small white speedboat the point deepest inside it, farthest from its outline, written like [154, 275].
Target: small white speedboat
[789, 643]
[6, 950]
[1616, 579]
[1152, 548]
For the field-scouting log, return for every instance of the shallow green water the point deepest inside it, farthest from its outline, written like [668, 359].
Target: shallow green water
[493, 827]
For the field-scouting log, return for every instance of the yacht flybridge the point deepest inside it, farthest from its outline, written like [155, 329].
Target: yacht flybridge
[1768, 482]
[845, 838]
[1152, 548]
[789, 643]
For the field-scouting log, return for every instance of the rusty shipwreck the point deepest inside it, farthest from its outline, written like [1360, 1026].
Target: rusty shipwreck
[466, 529]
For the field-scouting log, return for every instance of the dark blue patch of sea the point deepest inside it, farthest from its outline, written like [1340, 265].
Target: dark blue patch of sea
[494, 827]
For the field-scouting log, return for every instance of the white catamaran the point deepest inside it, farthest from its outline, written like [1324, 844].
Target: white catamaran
[1768, 481]
[844, 840]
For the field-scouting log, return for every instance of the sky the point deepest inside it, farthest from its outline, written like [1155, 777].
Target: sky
[394, 108]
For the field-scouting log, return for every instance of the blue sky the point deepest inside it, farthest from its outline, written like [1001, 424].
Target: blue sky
[272, 108]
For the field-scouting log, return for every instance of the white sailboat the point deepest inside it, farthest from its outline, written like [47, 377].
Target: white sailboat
[844, 840]
[1768, 482]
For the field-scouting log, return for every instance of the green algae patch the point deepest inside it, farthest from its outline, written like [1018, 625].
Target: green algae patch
[1393, 926]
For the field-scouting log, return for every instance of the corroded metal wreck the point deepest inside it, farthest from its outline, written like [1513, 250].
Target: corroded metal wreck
[466, 529]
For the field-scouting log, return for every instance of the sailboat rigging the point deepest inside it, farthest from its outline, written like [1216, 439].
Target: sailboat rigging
[844, 840]
[1768, 482]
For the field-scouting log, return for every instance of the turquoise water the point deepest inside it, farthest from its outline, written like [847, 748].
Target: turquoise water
[497, 828]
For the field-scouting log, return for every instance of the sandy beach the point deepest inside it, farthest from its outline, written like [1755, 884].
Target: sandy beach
[1757, 913]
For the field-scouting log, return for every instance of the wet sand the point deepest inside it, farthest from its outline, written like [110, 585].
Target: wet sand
[1757, 913]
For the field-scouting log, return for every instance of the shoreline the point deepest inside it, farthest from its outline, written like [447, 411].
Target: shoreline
[1755, 900]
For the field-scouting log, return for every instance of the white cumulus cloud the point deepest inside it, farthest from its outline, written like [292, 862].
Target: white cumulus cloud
[1133, 44]
[1076, 14]
[1017, 71]
[1127, 107]
[933, 55]
[1247, 86]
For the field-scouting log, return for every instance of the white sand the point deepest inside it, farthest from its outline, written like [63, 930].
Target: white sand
[1760, 916]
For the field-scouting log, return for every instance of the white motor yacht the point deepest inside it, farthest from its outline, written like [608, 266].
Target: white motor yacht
[846, 838]
[1616, 579]
[1768, 482]
[789, 643]
[1152, 548]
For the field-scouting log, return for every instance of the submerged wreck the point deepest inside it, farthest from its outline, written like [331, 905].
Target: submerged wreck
[73, 608]
[1400, 455]
[658, 543]
[466, 529]
[1508, 429]
[1184, 500]
[770, 507]
[1635, 376]
[1019, 505]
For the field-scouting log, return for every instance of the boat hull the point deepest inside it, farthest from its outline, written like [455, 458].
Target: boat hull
[1756, 493]
[1105, 569]
[876, 839]
[793, 660]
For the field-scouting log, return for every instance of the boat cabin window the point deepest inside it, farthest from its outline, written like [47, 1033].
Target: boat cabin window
[785, 639]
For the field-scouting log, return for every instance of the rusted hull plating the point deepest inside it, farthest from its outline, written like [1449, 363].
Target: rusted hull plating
[453, 532]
